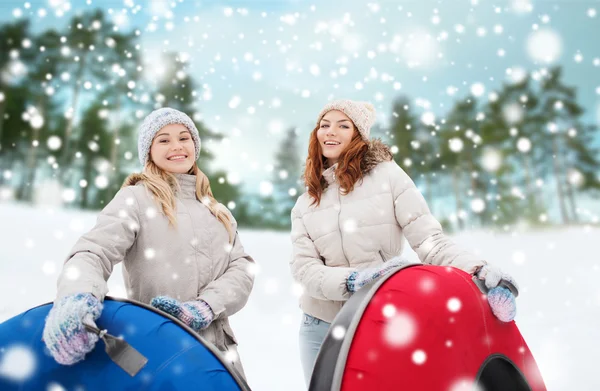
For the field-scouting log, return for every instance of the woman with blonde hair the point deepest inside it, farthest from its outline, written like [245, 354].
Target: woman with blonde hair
[348, 228]
[180, 249]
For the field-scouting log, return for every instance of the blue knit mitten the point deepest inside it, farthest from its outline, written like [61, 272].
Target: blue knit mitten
[64, 333]
[503, 303]
[197, 314]
[360, 278]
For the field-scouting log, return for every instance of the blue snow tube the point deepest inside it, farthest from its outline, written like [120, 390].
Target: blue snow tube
[178, 358]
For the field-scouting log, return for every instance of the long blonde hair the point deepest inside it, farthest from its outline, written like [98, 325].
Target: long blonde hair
[162, 185]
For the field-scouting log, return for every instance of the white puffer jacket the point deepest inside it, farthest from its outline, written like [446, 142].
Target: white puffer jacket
[192, 261]
[364, 228]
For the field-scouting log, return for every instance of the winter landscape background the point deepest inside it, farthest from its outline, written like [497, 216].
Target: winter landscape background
[492, 108]
[558, 308]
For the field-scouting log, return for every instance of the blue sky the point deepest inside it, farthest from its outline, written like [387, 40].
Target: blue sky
[267, 65]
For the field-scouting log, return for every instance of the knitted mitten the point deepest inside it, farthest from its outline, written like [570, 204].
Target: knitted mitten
[502, 303]
[493, 277]
[64, 333]
[360, 278]
[197, 314]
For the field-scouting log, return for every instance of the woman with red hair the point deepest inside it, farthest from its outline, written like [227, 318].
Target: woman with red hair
[348, 228]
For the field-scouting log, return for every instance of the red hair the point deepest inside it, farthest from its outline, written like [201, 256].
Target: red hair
[348, 171]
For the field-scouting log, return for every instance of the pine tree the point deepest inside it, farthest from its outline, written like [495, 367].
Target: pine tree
[585, 162]
[42, 106]
[94, 149]
[414, 145]
[460, 154]
[511, 121]
[15, 62]
[402, 133]
[86, 38]
[565, 140]
[287, 184]
[123, 51]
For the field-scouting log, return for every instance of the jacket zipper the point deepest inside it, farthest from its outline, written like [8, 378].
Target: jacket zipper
[339, 226]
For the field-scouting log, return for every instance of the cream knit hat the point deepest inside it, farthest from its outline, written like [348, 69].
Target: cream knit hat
[361, 113]
[158, 119]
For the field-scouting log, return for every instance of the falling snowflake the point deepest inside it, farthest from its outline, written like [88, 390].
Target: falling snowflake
[101, 182]
[234, 102]
[518, 257]
[513, 113]
[419, 357]
[478, 89]
[427, 284]
[524, 145]
[49, 268]
[428, 118]
[456, 144]
[389, 310]
[465, 384]
[151, 212]
[454, 304]
[400, 330]
[477, 205]
[338, 332]
[149, 253]
[68, 195]
[55, 386]
[18, 363]
[266, 188]
[544, 45]
[350, 225]
[491, 159]
[521, 6]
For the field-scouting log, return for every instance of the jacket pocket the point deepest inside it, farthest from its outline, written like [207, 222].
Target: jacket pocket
[307, 320]
[228, 331]
[382, 256]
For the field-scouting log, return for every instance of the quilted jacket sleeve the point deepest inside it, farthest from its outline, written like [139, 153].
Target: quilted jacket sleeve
[91, 260]
[421, 229]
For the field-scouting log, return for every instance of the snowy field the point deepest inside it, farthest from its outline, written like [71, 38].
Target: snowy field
[558, 309]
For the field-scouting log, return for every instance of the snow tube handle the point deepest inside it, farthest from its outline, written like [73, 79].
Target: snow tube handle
[503, 283]
[123, 354]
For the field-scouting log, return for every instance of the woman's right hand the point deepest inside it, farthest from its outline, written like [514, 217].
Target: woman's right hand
[362, 277]
[64, 333]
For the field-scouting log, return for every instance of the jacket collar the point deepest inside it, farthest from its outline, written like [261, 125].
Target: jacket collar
[377, 152]
[186, 182]
[187, 186]
[329, 174]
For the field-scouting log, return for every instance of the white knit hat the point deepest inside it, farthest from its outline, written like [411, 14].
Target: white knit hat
[361, 113]
[157, 120]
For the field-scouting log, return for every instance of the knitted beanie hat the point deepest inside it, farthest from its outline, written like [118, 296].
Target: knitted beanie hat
[157, 120]
[361, 113]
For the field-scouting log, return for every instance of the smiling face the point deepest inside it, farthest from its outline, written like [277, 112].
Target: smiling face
[173, 149]
[334, 135]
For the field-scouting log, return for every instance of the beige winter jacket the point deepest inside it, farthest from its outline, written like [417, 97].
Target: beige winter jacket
[361, 229]
[192, 261]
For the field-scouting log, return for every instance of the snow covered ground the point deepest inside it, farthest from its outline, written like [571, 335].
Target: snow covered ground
[558, 309]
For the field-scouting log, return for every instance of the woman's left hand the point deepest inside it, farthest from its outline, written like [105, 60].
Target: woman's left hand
[502, 291]
[197, 313]
[503, 303]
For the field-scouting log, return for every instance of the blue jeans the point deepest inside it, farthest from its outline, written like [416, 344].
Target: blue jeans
[312, 334]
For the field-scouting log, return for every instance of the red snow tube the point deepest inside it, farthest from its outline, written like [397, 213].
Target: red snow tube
[423, 328]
